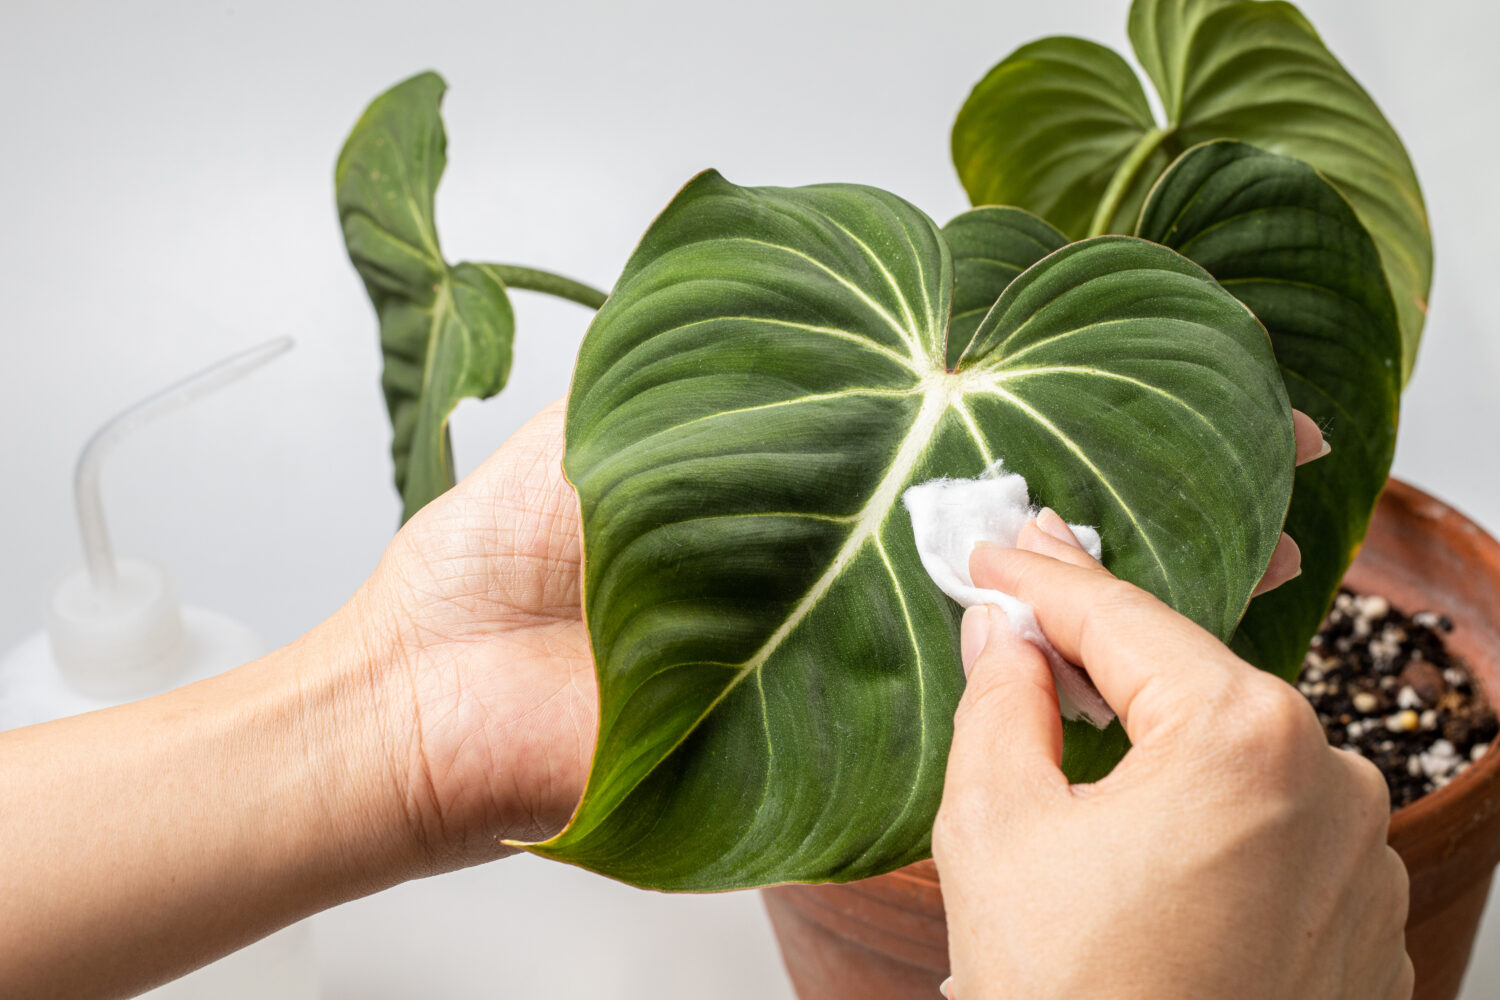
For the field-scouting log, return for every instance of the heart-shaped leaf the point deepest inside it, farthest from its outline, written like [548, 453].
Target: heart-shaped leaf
[1050, 126]
[777, 673]
[445, 331]
[1061, 127]
[1283, 241]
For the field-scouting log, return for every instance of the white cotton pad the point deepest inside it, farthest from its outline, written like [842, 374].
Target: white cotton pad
[949, 517]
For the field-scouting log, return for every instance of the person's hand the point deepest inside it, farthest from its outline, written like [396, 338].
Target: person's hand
[451, 705]
[490, 702]
[1232, 853]
[494, 702]
[447, 706]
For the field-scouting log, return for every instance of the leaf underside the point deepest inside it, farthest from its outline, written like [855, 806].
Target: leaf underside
[445, 331]
[1063, 125]
[777, 673]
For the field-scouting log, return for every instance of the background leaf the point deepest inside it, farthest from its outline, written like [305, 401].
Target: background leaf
[1160, 32]
[445, 331]
[1047, 130]
[1253, 70]
[777, 672]
[1283, 241]
[991, 246]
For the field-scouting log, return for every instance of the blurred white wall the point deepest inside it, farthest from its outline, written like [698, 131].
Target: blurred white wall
[166, 198]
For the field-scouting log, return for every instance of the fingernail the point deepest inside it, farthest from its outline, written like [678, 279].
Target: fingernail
[1324, 450]
[1053, 524]
[973, 635]
[1288, 554]
[946, 988]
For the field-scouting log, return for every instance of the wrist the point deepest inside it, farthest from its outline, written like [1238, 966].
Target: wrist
[355, 716]
[430, 792]
[482, 715]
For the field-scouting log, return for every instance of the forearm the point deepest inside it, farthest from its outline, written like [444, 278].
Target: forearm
[145, 840]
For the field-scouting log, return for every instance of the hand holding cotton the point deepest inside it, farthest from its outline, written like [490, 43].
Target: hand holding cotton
[949, 517]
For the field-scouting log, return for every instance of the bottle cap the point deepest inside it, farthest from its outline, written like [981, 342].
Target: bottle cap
[112, 643]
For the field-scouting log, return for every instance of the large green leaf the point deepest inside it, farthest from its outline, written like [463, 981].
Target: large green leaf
[1282, 240]
[777, 673]
[445, 330]
[1058, 127]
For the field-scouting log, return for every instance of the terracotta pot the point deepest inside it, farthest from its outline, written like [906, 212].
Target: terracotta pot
[886, 937]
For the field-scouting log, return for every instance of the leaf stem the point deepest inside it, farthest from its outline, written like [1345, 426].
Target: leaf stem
[1124, 178]
[535, 280]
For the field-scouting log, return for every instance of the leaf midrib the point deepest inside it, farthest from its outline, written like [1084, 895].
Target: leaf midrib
[442, 302]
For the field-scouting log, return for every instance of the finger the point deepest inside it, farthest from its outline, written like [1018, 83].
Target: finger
[1285, 564]
[1145, 658]
[1310, 441]
[1049, 535]
[1007, 733]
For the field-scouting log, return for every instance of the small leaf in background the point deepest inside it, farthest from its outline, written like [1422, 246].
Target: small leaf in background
[1048, 129]
[777, 673]
[991, 246]
[1058, 128]
[1161, 31]
[1281, 239]
[445, 331]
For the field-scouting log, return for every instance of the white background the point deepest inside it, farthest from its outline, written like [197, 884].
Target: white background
[166, 198]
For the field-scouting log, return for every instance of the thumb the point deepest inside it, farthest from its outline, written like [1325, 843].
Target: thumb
[1007, 733]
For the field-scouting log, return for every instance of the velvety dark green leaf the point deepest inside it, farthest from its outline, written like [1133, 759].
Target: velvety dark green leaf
[1056, 128]
[445, 331]
[777, 672]
[1282, 240]
[991, 246]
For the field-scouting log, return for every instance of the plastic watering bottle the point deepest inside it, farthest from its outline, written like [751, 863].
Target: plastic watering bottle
[115, 632]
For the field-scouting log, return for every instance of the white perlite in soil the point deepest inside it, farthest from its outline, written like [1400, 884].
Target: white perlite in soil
[1386, 687]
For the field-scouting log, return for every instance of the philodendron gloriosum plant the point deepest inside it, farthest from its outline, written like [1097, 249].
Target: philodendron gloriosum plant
[774, 366]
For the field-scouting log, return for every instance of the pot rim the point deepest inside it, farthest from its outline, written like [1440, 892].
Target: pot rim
[1477, 779]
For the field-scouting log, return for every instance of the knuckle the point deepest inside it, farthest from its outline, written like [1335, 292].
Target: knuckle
[1115, 610]
[1273, 717]
[1365, 800]
[963, 817]
[1400, 887]
[1406, 979]
[1371, 787]
[1117, 601]
[1266, 733]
